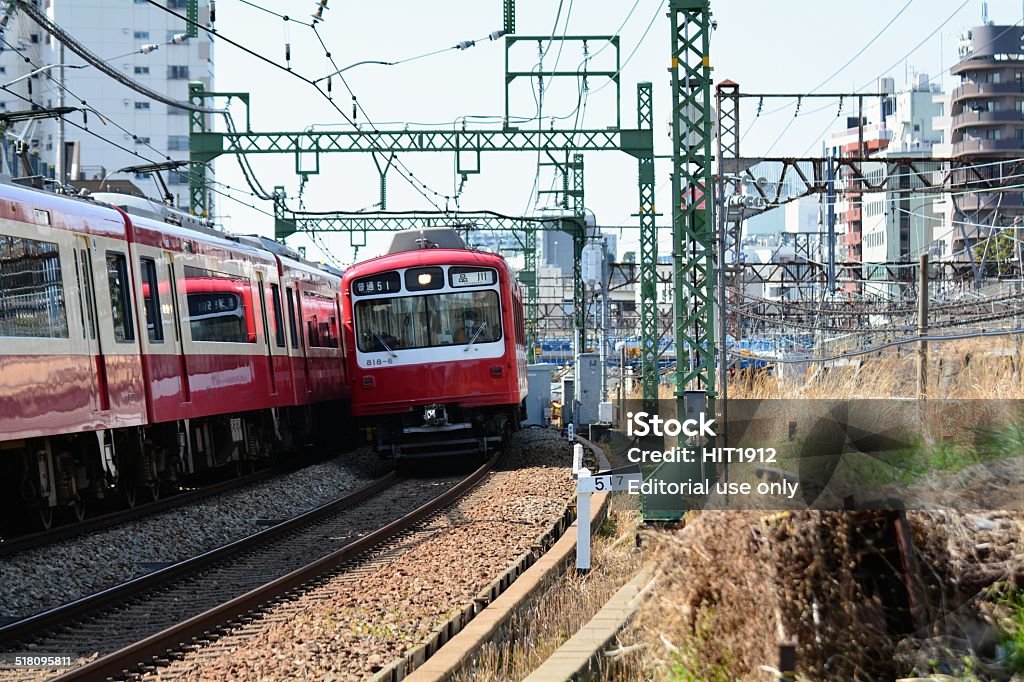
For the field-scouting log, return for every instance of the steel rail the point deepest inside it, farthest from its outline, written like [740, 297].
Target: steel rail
[91, 524]
[170, 643]
[27, 628]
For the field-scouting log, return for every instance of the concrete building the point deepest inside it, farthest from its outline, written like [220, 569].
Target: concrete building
[123, 33]
[867, 133]
[878, 229]
[898, 226]
[986, 125]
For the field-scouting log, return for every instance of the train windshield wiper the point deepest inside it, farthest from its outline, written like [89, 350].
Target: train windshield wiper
[384, 343]
[480, 329]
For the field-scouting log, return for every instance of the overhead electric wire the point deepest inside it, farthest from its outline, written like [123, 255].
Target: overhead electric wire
[85, 107]
[411, 177]
[538, 99]
[635, 48]
[221, 36]
[866, 85]
[852, 59]
[72, 44]
[285, 17]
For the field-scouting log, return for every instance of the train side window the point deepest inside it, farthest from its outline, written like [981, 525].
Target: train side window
[275, 294]
[120, 301]
[291, 318]
[31, 289]
[219, 306]
[151, 300]
[322, 323]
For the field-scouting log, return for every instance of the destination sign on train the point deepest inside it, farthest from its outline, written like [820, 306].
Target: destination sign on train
[383, 283]
[472, 279]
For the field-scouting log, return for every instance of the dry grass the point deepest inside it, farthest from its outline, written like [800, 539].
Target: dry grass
[732, 586]
[553, 617]
[966, 369]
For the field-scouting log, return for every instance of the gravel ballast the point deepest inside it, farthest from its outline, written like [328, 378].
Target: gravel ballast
[46, 577]
[359, 622]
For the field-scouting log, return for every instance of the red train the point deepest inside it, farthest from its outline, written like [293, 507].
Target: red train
[137, 346]
[436, 346]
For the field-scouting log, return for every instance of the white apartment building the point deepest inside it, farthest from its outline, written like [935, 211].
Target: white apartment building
[899, 225]
[122, 33]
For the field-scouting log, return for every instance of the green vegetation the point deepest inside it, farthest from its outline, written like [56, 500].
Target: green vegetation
[1013, 632]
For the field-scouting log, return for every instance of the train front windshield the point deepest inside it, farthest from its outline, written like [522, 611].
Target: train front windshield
[427, 321]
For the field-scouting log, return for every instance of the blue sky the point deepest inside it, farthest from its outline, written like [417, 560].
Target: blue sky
[789, 46]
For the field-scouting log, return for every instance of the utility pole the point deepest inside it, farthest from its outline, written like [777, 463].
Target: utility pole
[59, 166]
[922, 328]
[831, 204]
[728, 103]
[602, 333]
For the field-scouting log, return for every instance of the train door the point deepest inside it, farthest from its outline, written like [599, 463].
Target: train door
[179, 333]
[266, 332]
[90, 315]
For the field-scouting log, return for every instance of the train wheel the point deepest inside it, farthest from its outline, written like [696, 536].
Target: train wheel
[129, 494]
[45, 516]
[153, 489]
[78, 510]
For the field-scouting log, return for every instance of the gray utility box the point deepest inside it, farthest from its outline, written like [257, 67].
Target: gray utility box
[538, 398]
[589, 394]
[568, 400]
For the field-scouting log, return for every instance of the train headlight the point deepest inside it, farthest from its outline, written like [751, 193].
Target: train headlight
[424, 278]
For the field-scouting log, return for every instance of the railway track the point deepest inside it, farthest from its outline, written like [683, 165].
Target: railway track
[21, 543]
[158, 617]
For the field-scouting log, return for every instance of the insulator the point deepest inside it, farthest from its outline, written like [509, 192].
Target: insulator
[465, 44]
[328, 85]
[146, 49]
[494, 35]
[213, 11]
[354, 107]
[287, 52]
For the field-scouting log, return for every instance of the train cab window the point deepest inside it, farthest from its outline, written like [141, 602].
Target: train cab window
[219, 306]
[120, 298]
[275, 294]
[432, 320]
[151, 300]
[292, 326]
[31, 289]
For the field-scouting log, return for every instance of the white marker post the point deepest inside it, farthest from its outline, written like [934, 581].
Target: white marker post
[577, 459]
[583, 520]
[586, 485]
[570, 431]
